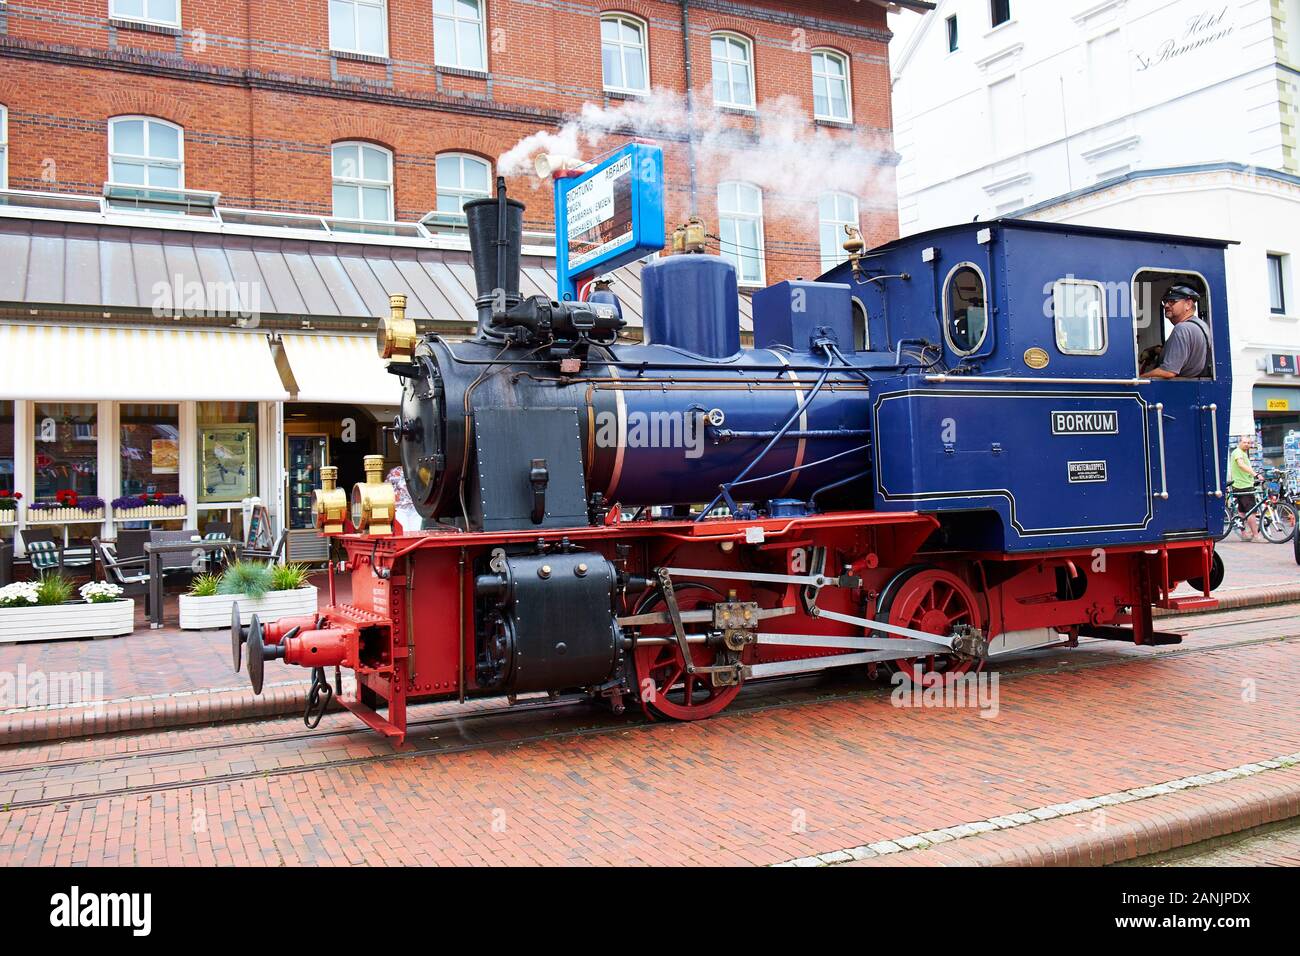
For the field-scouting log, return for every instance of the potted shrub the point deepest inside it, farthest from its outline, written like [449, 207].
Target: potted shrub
[145, 506]
[46, 610]
[9, 506]
[269, 591]
[67, 507]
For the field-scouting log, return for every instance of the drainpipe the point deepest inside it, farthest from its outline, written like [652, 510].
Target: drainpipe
[690, 97]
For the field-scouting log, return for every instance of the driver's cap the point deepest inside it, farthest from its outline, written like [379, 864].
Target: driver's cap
[1181, 292]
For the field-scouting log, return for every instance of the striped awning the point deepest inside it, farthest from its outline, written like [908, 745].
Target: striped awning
[340, 368]
[88, 363]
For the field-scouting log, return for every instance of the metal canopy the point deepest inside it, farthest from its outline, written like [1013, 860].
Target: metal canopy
[207, 274]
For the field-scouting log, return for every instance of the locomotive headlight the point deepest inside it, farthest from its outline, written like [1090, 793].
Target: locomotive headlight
[373, 501]
[329, 503]
[396, 337]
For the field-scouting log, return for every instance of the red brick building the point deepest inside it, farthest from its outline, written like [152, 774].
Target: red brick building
[253, 99]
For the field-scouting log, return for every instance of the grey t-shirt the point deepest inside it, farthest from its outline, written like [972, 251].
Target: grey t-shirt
[1186, 350]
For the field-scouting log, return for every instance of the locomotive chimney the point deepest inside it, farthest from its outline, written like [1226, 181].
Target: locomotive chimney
[496, 228]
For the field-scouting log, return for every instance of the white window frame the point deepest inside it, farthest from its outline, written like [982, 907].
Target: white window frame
[116, 14]
[839, 254]
[1279, 265]
[847, 79]
[733, 255]
[354, 4]
[1102, 317]
[460, 191]
[359, 180]
[748, 46]
[947, 309]
[4, 147]
[1010, 16]
[456, 20]
[147, 160]
[643, 28]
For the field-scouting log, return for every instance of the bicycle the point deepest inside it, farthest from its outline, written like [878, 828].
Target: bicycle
[1277, 518]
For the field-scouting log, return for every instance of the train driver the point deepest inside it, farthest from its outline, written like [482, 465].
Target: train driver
[1187, 350]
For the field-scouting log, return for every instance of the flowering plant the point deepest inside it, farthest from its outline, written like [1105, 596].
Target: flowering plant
[129, 502]
[9, 499]
[100, 592]
[68, 498]
[21, 594]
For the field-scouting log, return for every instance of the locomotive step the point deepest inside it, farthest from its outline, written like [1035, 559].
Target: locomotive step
[1125, 634]
[1196, 602]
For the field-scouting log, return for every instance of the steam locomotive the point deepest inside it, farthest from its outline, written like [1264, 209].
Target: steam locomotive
[938, 453]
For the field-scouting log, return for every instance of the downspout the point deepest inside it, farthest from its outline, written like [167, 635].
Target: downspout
[690, 98]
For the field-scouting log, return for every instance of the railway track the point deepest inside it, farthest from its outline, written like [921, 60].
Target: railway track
[558, 719]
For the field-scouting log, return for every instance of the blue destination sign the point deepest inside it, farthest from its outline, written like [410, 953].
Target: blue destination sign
[609, 216]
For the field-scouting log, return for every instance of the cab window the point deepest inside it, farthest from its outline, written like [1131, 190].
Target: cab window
[1151, 329]
[965, 315]
[1079, 308]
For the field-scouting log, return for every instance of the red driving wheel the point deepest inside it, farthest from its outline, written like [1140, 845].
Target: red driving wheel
[665, 688]
[934, 601]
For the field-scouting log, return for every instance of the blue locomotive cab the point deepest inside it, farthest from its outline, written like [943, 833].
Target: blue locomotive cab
[1024, 418]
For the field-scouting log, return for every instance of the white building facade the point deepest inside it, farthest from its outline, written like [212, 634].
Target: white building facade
[1175, 116]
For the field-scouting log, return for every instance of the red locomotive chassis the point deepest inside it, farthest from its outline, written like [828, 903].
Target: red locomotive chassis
[767, 597]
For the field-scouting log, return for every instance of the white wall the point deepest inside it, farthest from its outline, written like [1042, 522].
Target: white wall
[1073, 92]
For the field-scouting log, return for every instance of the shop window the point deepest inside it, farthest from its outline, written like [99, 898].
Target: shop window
[7, 446]
[740, 226]
[150, 449]
[458, 34]
[623, 54]
[831, 101]
[165, 13]
[66, 449]
[146, 152]
[363, 182]
[359, 26]
[1079, 309]
[964, 305]
[227, 451]
[733, 71]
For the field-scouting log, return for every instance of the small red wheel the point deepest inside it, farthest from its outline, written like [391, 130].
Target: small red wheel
[934, 601]
[663, 684]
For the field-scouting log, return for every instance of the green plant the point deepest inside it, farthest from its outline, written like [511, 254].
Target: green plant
[205, 585]
[245, 577]
[288, 577]
[54, 588]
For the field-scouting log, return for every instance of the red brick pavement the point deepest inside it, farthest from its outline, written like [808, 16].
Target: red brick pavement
[1270, 848]
[752, 787]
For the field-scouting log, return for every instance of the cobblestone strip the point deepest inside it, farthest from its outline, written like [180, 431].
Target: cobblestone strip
[929, 838]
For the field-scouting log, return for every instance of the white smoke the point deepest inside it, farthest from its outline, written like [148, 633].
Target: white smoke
[787, 154]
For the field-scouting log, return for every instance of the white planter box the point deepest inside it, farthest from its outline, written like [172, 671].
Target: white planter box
[8, 517]
[148, 513]
[64, 516]
[213, 613]
[62, 621]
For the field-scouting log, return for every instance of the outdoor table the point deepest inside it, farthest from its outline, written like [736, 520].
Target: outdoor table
[200, 547]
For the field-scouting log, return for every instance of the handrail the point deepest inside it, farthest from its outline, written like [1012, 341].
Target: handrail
[1213, 409]
[1160, 432]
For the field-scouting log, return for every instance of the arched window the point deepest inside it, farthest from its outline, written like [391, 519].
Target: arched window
[4, 148]
[359, 26]
[459, 34]
[163, 12]
[363, 182]
[143, 151]
[623, 54]
[831, 101]
[834, 212]
[740, 227]
[462, 177]
[733, 71]
[965, 308]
